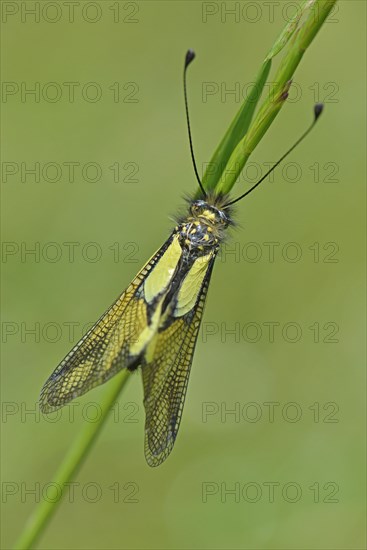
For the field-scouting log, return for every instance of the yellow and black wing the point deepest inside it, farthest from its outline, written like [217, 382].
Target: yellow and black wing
[166, 365]
[118, 337]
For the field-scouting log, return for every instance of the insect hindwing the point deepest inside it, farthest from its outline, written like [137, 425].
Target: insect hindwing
[168, 358]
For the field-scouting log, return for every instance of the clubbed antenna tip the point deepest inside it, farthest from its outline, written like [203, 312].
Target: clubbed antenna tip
[190, 56]
[319, 107]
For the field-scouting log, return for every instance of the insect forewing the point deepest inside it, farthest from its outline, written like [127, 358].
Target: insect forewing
[107, 347]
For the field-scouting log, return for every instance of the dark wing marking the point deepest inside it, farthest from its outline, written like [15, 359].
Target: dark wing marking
[104, 350]
[166, 376]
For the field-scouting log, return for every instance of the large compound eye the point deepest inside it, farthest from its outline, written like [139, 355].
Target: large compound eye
[195, 208]
[223, 219]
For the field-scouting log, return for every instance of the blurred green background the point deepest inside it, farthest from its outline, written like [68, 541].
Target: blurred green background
[240, 480]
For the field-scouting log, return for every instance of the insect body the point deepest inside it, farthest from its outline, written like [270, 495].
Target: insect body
[154, 324]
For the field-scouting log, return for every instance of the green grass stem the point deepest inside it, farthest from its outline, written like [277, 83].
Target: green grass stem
[71, 463]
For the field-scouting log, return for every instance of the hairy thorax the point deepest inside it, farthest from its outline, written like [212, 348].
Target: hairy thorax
[204, 227]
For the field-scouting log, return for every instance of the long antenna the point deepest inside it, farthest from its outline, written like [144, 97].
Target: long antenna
[318, 108]
[190, 56]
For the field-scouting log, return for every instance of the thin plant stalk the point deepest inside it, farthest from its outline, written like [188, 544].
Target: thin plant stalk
[224, 168]
[71, 463]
